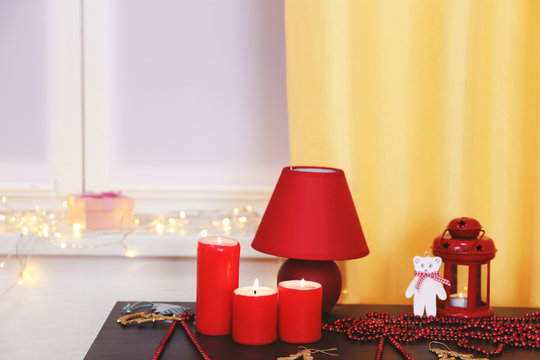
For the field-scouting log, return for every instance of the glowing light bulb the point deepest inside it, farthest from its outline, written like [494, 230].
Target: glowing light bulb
[25, 230]
[63, 245]
[2, 264]
[77, 230]
[2, 217]
[226, 221]
[236, 210]
[57, 235]
[219, 240]
[20, 282]
[137, 221]
[242, 219]
[182, 215]
[160, 228]
[130, 253]
[4, 200]
[172, 221]
[303, 283]
[204, 233]
[45, 230]
[64, 204]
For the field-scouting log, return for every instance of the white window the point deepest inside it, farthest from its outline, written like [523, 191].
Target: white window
[160, 99]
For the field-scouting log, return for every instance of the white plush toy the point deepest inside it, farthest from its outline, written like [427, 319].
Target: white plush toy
[426, 285]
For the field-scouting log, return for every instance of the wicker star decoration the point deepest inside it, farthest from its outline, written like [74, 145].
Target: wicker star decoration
[444, 354]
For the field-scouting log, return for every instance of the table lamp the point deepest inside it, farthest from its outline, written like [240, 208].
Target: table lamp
[312, 221]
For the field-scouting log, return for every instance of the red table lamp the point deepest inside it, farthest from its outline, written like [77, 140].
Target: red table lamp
[311, 219]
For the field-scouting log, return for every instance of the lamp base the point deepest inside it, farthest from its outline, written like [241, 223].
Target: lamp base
[324, 272]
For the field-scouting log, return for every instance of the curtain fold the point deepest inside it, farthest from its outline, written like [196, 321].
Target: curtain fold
[432, 108]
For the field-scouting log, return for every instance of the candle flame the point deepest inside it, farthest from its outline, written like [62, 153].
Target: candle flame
[255, 286]
[219, 240]
[303, 283]
[460, 295]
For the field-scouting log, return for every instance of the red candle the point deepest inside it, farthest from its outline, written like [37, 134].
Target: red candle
[217, 277]
[255, 315]
[300, 308]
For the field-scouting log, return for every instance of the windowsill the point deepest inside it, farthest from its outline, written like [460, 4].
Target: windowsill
[200, 211]
[143, 245]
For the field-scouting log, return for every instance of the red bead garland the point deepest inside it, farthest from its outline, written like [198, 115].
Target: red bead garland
[380, 348]
[184, 318]
[519, 332]
[194, 340]
[159, 350]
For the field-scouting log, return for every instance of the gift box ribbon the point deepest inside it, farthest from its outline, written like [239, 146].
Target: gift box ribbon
[108, 198]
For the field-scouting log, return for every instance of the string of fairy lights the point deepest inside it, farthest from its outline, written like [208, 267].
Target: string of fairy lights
[52, 227]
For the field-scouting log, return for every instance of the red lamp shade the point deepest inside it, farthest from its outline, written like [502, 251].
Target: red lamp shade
[311, 216]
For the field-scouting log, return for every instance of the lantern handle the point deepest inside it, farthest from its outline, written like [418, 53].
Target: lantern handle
[442, 237]
[475, 244]
[483, 233]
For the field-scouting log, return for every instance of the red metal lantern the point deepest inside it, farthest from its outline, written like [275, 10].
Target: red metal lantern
[466, 253]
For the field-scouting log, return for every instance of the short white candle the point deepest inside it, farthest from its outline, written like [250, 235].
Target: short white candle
[458, 300]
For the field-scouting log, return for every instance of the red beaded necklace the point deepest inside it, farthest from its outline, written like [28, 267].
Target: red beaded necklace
[519, 332]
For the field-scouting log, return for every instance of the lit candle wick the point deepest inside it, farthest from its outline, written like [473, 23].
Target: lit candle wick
[255, 286]
[303, 283]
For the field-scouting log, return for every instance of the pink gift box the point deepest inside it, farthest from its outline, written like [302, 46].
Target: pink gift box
[102, 211]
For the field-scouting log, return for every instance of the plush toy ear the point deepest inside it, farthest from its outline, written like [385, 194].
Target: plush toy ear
[417, 259]
[437, 259]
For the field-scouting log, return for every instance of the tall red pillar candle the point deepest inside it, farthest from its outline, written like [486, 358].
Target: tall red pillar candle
[255, 315]
[217, 276]
[300, 309]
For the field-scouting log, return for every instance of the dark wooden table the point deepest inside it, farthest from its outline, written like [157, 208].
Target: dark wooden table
[140, 342]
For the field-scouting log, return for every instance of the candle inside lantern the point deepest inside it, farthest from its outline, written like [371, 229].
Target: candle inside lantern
[217, 277]
[255, 315]
[458, 300]
[299, 313]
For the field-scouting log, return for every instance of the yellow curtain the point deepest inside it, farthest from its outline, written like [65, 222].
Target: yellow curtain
[432, 108]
